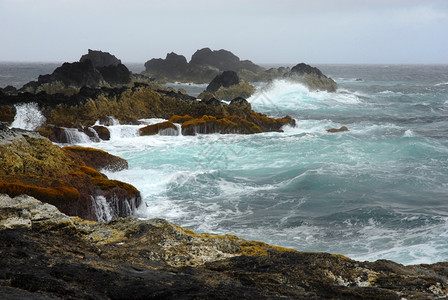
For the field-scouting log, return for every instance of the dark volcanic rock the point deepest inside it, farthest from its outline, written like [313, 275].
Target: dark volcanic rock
[100, 58]
[225, 79]
[94, 70]
[116, 75]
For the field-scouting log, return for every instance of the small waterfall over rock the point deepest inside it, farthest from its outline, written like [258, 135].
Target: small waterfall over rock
[102, 209]
[74, 136]
[28, 116]
[107, 209]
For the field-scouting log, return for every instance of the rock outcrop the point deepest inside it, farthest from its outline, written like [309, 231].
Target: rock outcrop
[225, 79]
[47, 255]
[33, 165]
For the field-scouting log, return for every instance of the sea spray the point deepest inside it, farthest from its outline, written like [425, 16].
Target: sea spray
[28, 116]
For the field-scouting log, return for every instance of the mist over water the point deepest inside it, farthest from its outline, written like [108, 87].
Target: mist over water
[378, 191]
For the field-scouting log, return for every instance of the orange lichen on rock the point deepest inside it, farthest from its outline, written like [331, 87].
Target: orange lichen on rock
[270, 124]
[95, 158]
[57, 194]
[225, 125]
[180, 119]
[154, 129]
[107, 184]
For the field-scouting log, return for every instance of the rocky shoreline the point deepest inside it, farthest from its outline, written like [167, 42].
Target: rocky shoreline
[67, 231]
[48, 255]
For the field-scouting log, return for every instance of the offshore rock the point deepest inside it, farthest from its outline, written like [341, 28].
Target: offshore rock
[223, 60]
[312, 77]
[204, 65]
[48, 255]
[33, 165]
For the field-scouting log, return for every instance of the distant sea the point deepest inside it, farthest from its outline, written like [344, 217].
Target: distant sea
[377, 191]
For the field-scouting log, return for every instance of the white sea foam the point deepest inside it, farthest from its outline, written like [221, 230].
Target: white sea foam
[284, 95]
[28, 116]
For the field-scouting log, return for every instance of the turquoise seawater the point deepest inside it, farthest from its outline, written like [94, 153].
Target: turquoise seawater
[377, 191]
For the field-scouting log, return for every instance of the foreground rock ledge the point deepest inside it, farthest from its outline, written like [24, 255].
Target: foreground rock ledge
[46, 254]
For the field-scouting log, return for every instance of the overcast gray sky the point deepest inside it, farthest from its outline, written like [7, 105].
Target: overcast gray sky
[279, 31]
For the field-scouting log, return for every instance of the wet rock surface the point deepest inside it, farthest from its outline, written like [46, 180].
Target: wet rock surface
[134, 259]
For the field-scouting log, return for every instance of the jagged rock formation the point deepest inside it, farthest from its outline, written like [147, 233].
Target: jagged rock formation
[204, 65]
[312, 77]
[33, 165]
[47, 255]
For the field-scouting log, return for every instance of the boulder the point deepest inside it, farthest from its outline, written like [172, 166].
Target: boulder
[102, 131]
[225, 79]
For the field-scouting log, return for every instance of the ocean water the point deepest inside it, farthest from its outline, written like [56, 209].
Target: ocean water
[378, 191]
